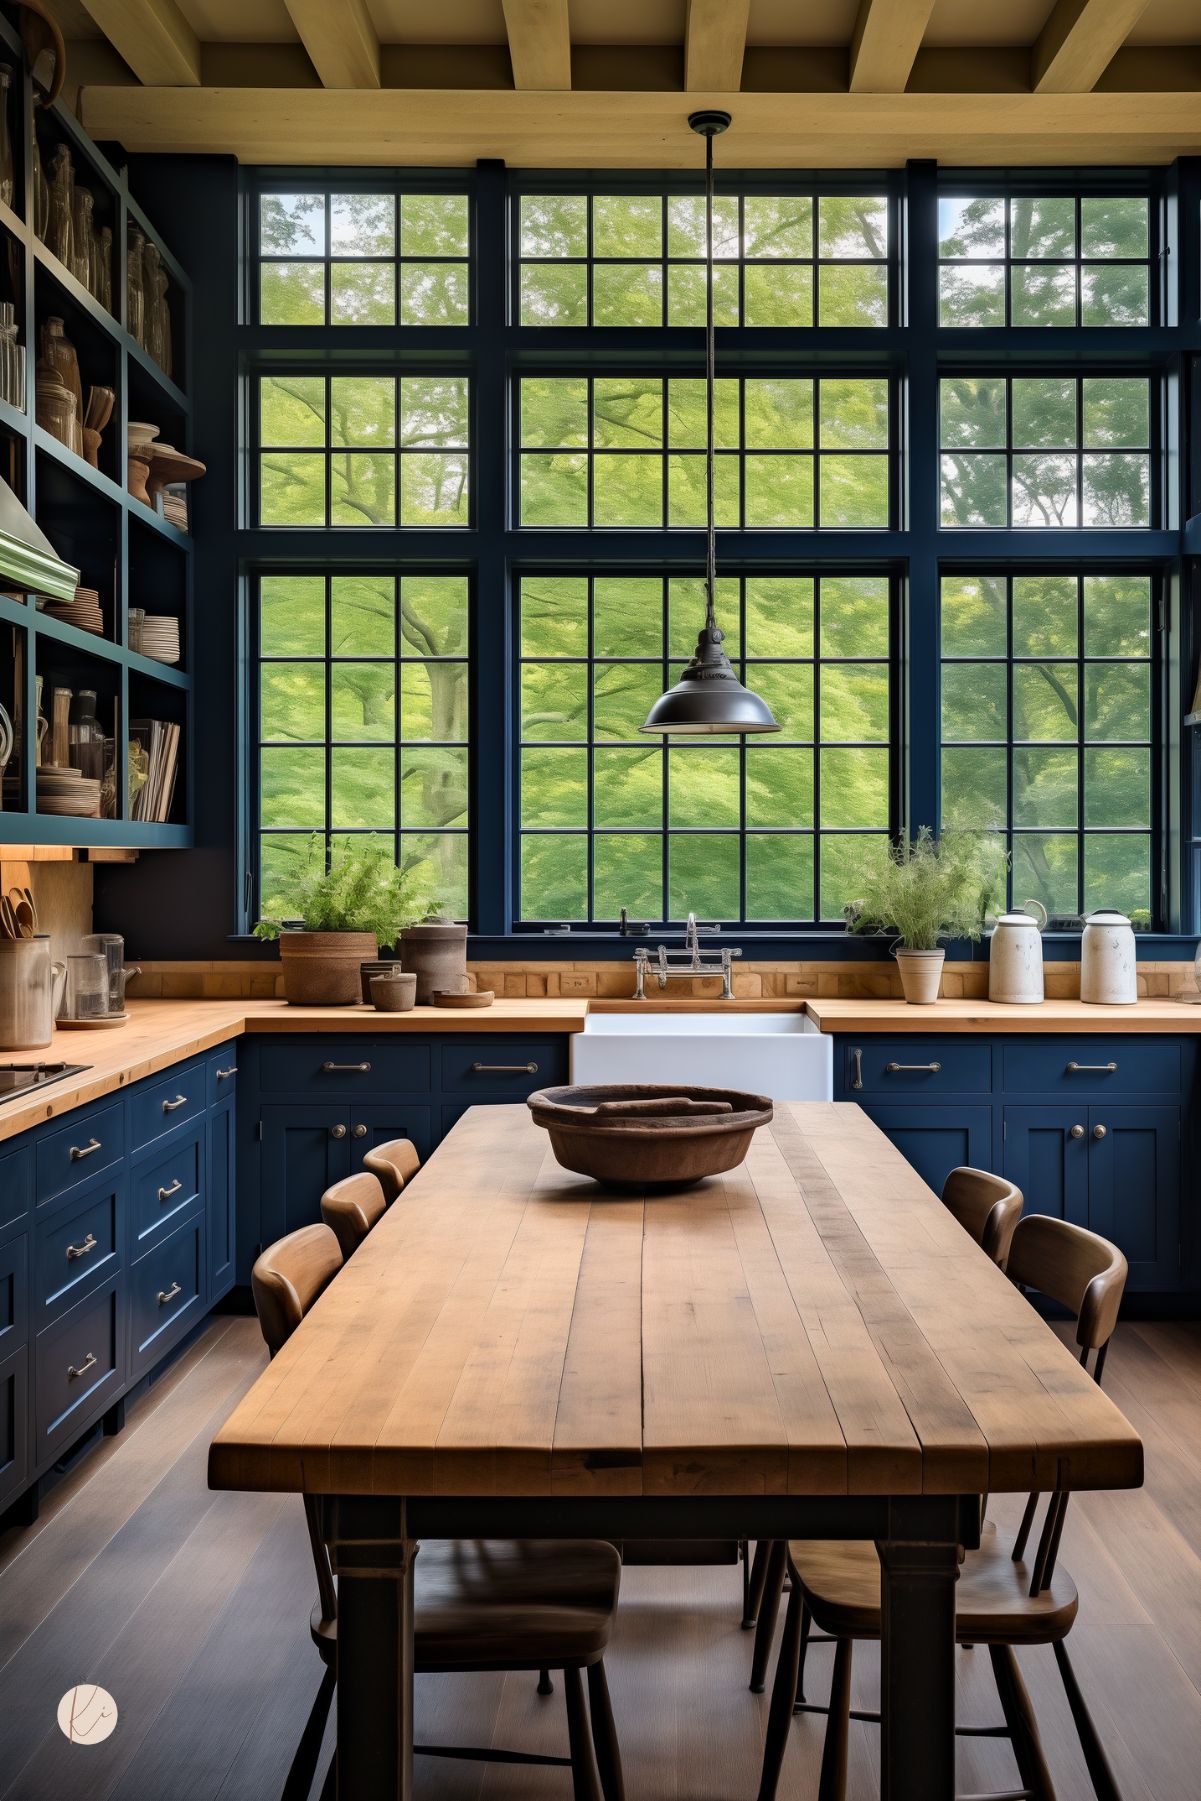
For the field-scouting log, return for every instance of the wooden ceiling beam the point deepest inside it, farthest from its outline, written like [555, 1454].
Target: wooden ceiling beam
[153, 37]
[431, 127]
[341, 41]
[539, 34]
[1079, 41]
[888, 35]
[714, 45]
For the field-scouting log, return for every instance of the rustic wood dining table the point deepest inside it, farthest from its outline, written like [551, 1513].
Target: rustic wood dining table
[807, 1347]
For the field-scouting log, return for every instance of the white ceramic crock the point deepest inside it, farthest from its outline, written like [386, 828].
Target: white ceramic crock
[1108, 971]
[1015, 957]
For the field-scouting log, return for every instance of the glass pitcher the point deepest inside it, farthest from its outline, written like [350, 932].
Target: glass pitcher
[85, 995]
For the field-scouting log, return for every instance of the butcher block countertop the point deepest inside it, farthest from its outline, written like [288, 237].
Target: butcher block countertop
[987, 1016]
[160, 1033]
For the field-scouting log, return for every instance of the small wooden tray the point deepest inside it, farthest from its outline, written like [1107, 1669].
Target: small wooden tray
[93, 1024]
[483, 997]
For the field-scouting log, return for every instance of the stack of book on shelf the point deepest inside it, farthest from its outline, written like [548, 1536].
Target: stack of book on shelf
[158, 740]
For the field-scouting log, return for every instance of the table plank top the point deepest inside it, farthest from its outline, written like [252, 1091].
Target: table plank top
[813, 1323]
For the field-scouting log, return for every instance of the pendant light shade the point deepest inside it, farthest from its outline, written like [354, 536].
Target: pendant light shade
[709, 698]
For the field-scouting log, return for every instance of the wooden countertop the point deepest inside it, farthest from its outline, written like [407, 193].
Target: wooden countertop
[986, 1016]
[813, 1323]
[160, 1033]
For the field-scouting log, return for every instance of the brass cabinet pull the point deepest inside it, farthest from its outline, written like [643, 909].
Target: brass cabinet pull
[358, 1069]
[164, 1194]
[1091, 1069]
[891, 1069]
[81, 1250]
[79, 1152]
[337, 1131]
[223, 1075]
[856, 1069]
[508, 1069]
[360, 1131]
[1076, 1132]
[181, 1100]
[168, 1294]
[1099, 1132]
[86, 1365]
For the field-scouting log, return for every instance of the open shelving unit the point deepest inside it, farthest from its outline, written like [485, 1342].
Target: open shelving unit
[122, 547]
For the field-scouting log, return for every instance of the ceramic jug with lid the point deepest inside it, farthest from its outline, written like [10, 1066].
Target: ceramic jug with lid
[1015, 958]
[30, 988]
[1108, 971]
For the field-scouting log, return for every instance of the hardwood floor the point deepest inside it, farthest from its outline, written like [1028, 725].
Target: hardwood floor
[192, 1609]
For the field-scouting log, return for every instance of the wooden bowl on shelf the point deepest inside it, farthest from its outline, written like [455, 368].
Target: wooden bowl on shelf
[649, 1136]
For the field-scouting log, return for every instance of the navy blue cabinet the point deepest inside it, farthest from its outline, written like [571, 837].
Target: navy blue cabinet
[1097, 1129]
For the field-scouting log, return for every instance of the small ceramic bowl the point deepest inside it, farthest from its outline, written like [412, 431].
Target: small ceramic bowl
[394, 993]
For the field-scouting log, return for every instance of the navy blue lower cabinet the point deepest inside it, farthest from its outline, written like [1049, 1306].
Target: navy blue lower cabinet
[305, 1148]
[14, 1425]
[1134, 1189]
[1046, 1156]
[379, 1123]
[937, 1140]
[222, 1190]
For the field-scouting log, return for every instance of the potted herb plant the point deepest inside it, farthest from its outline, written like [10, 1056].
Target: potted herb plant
[344, 912]
[926, 890]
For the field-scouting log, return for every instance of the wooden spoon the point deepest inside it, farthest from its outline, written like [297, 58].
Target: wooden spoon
[8, 922]
[23, 915]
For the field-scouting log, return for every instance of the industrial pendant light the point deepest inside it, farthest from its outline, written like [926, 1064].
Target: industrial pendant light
[709, 696]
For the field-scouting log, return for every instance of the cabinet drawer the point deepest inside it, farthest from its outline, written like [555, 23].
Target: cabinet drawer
[351, 1065]
[16, 1188]
[162, 1189]
[499, 1068]
[922, 1068]
[92, 1141]
[166, 1295]
[14, 1295]
[79, 1368]
[14, 1425]
[222, 1072]
[158, 1107]
[78, 1248]
[1069, 1068]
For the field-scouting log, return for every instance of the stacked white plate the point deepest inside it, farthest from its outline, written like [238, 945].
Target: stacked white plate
[160, 637]
[67, 793]
[84, 611]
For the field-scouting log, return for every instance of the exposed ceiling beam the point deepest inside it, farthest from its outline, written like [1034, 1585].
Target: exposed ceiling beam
[1079, 41]
[539, 44]
[341, 41]
[887, 37]
[714, 44]
[431, 127]
[153, 37]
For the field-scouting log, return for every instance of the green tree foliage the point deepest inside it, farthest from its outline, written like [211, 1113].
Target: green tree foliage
[1055, 273]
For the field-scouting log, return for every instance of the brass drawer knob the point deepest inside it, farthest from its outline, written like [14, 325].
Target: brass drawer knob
[1076, 1132]
[1099, 1132]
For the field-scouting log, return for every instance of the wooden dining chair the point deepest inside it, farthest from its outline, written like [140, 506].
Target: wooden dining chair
[394, 1164]
[351, 1207]
[1002, 1599]
[987, 1206]
[479, 1604]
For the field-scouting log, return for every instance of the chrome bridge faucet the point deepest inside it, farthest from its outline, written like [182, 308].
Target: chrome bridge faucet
[699, 962]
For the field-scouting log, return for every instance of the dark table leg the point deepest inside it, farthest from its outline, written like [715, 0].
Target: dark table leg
[373, 1559]
[919, 1565]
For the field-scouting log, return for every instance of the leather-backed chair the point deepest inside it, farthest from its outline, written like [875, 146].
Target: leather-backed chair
[394, 1164]
[351, 1207]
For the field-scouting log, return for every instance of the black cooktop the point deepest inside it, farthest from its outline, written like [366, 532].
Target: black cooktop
[22, 1078]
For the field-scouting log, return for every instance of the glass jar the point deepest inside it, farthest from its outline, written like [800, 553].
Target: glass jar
[135, 304]
[58, 353]
[60, 235]
[152, 301]
[104, 291]
[8, 183]
[86, 736]
[81, 253]
[86, 995]
[41, 192]
[12, 358]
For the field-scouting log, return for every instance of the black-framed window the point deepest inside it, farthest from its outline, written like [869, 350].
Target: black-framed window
[340, 254]
[1044, 260]
[363, 723]
[1049, 716]
[768, 829]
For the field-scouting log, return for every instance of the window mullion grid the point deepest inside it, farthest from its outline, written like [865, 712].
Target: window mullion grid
[1081, 702]
[742, 838]
[665, 769]
[328, 675]
[397, 709]
[1009, 727]
[590, 741]
[815, 748]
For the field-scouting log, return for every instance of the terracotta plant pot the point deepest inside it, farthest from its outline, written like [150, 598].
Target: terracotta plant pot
[437, 956]
[921, 975]
[321, 969]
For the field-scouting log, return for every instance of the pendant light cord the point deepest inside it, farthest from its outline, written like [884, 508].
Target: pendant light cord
[710, 388]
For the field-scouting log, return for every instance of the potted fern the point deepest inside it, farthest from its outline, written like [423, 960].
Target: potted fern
[925, 890]
[344, 913]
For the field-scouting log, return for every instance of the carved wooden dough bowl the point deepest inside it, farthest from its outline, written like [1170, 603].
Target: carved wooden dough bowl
[650, 1136]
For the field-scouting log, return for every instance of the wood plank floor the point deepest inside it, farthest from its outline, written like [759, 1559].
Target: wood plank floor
[192, 1609]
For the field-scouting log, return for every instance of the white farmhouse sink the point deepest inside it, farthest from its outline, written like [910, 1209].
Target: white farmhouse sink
[778, 1054]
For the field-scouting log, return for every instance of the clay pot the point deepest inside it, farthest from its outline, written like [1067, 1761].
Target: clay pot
[91, 446]
[437, 956]
[921, 975]
[321, 969]
[393, 993]
[376, 966]
[136, 478]
[649, 1136]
